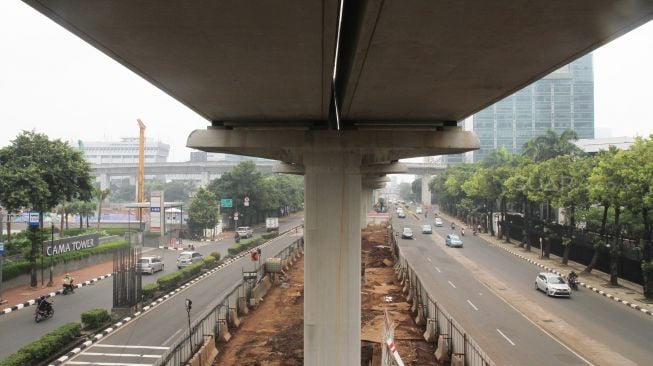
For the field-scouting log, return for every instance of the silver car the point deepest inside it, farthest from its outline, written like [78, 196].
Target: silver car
[150, 265]
[187, 258]
[552, 284]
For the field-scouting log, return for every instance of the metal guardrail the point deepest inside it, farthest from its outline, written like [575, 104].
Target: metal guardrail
[460, 343]
[212, 321]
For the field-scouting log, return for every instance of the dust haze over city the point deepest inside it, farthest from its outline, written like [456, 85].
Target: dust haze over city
[423, 182]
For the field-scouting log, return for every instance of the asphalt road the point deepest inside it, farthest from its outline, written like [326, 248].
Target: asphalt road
[18, 328]
[144, 340]
[623, 330]
[502, 332]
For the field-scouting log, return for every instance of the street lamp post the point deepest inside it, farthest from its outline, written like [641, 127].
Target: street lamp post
[51, 283]
[189, 305]
[2, 254]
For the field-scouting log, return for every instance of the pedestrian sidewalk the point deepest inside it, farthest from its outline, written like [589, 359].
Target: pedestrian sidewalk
[23, 296]
[628, 293]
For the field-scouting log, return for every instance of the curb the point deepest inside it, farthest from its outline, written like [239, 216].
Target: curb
[75, 351]
[52, 294]
[195, 243]
[583, 284]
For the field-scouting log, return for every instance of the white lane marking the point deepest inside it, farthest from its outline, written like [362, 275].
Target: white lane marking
[106, 363]
[504, 336]
[171, 337]
[470, 303]
[429, 259]
[125, 346]
[120, 355]
[438, 269]
[452, 285]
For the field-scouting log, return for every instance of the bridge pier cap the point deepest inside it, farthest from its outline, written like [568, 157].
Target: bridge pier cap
[334, 163]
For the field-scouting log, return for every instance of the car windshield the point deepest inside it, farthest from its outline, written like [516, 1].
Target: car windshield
[454, 237]
[184, 256]
[241, 229]
[144, 261]
[556, 280]
[426, 227]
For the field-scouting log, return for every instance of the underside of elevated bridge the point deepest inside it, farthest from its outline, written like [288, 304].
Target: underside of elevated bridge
[337, 87]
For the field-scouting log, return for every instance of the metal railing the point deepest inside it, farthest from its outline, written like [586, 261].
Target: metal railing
[460, 343]
[212, 321]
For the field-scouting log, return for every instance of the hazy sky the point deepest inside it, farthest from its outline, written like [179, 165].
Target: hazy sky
[55, 83]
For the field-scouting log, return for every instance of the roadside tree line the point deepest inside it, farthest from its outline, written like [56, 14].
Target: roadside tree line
[605, 199]
[269, 196]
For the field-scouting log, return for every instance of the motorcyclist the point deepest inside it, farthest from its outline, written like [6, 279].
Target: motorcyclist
[478, 228]
[453, 226]
[462, 231]
[237, 238]
[572, 277]
[44, 306]
[68, 282]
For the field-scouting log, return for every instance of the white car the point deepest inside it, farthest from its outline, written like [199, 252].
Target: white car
[407, 233]
[438, 222]
[187, 258]
[552, 284]
[150, 265]
[245, 232]
[418, 210]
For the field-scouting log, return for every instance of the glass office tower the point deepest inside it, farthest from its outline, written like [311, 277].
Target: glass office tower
[560, 101]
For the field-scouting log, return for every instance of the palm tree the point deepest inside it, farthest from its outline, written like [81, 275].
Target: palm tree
[101, 195]
[550, 145]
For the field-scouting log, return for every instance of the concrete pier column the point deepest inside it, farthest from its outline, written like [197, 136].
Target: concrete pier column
[332, 305]
[104, 181]
[204, 179]
[426, 194]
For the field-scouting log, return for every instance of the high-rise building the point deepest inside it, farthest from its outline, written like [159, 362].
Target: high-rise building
[125, 151]
[562, 100]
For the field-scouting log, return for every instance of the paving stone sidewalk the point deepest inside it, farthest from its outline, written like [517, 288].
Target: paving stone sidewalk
[628, 293]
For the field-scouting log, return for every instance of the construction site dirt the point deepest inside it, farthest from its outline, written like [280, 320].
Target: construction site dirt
[273, 333]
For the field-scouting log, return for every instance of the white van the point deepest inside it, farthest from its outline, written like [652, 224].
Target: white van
[245, 232]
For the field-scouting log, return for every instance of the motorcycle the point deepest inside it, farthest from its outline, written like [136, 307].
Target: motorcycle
[44, 309]
[462, 232]
[573, 283]
[68, 288]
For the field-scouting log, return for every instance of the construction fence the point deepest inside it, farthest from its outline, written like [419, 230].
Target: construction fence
[225, 314]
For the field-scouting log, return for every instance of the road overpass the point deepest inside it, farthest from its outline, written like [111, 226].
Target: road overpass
[204, 172]
[339, 90]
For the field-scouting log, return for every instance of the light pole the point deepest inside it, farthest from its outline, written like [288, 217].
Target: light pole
[189, 305]
[51, 283]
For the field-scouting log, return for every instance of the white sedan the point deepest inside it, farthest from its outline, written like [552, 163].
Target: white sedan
[552, 284]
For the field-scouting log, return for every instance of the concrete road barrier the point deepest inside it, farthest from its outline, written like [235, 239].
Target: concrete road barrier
[234, 320]
[223, 331]
[243, 309]
[420, 319]
[431, 333]
[442, 352]
[206, 355]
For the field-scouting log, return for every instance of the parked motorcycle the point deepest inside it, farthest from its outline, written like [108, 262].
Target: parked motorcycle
[44, 309]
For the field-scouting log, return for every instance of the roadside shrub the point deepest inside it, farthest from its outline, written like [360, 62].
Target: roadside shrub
[47, 346]
[14, 269]
[192, 270]
[216, 255]
[170, 280]
[95, 318]
[270, 235]
[209, 261]
[150, 289]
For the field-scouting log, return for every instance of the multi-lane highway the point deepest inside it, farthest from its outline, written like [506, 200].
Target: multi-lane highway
[18, 328]
[514, 327]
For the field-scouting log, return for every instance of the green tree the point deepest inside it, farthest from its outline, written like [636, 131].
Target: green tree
[517, 190]
[405, 191]
[38, 173]
[242, 181]
[100, 196]
[416, 189]
[203, 211]
[609, 183]
[550, 145]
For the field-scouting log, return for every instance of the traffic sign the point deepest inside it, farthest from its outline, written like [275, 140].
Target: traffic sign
[34, 219]
[226, 202]
[2, 247]
[246, 201]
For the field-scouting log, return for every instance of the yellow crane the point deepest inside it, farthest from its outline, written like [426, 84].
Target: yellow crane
[140, 184]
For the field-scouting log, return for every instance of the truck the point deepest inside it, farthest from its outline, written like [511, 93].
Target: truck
[272, 223]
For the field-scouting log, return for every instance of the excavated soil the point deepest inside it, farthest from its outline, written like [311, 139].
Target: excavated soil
[273, 334]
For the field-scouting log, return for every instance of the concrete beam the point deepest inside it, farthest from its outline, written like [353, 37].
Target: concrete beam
[384, 168]
[374, 146]
[287, 168]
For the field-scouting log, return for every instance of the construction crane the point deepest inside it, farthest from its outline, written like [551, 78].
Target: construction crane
[140, 184]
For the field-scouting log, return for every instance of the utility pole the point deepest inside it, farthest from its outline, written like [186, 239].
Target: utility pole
[140, 182]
